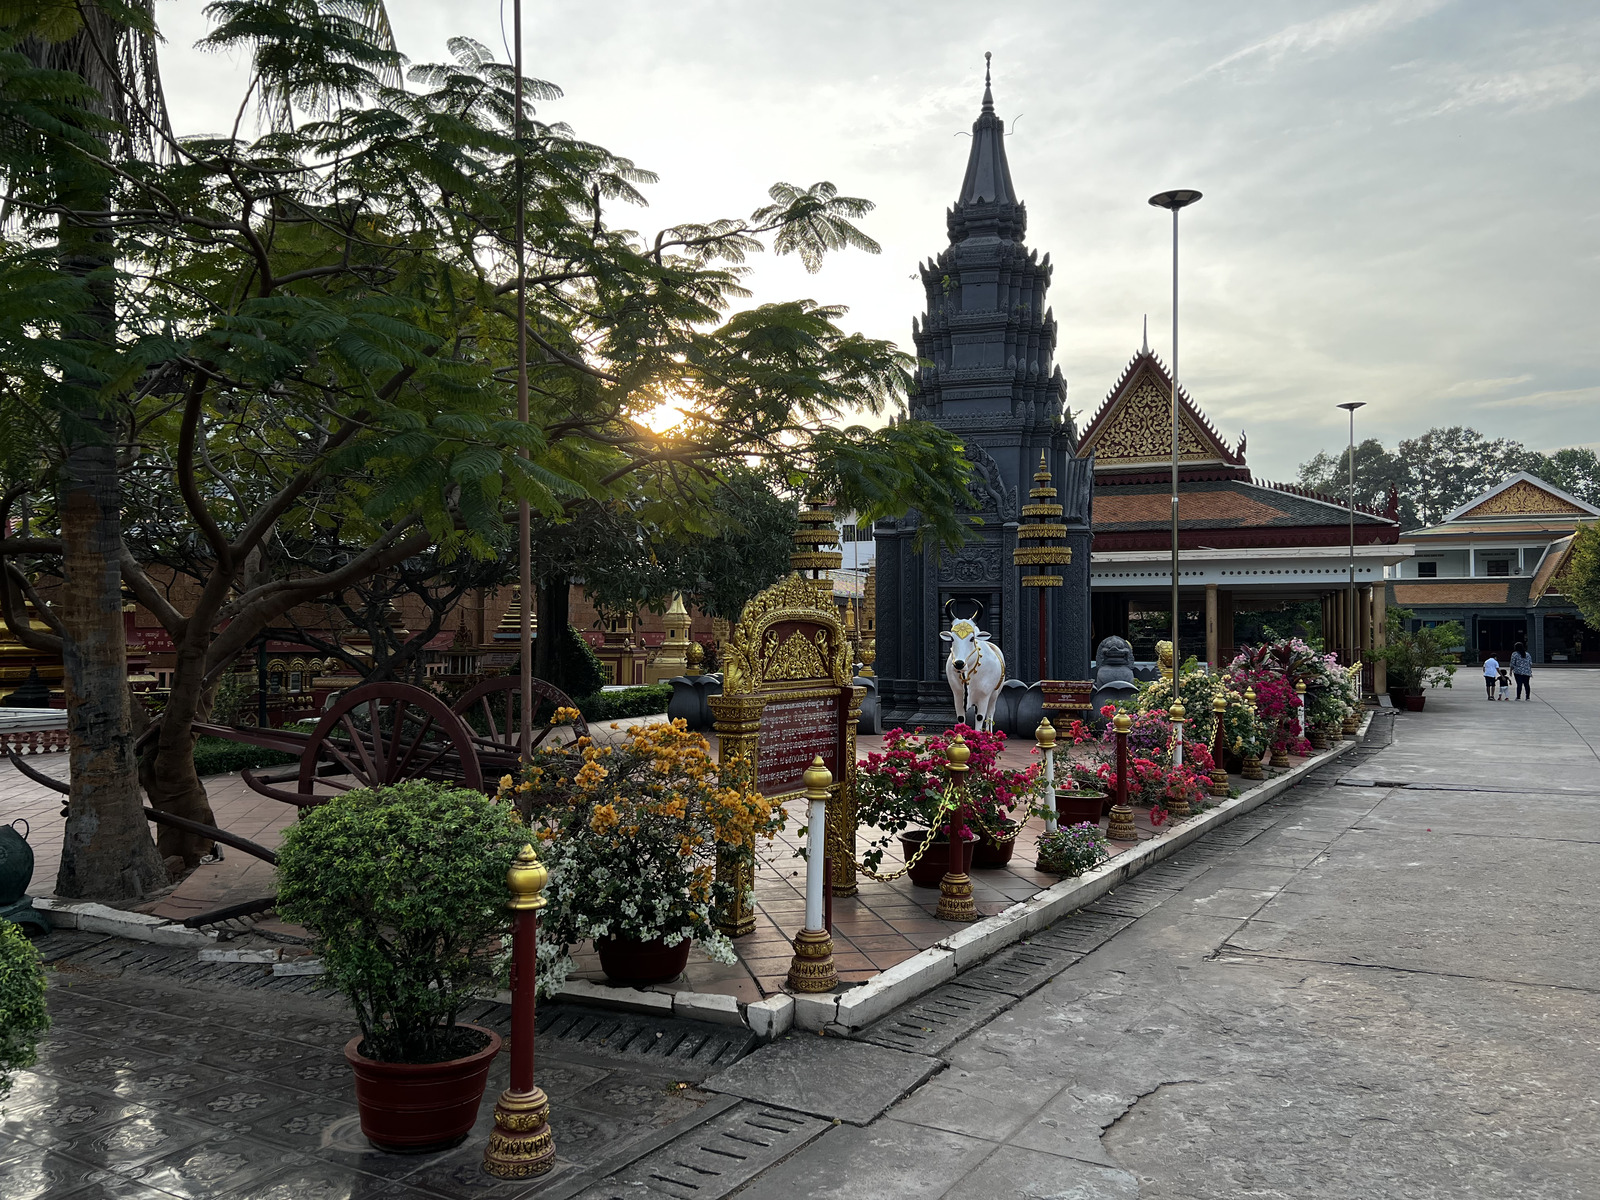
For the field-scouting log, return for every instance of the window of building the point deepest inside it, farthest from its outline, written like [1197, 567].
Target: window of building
[294, 681]
[1499, 566]
[1427, 570]
[847, 533]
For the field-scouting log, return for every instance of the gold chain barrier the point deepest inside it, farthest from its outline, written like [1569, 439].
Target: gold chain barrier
[947, 804]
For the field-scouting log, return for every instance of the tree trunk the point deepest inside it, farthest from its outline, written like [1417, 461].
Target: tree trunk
[554, 615]
[167, 770]
[107, 852]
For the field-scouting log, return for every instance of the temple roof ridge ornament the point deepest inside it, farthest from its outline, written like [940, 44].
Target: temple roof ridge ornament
[1127, 430]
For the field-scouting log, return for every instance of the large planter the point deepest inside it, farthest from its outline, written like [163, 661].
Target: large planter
[1415, 701]
[1080, 807]
[991, 853]
[412, 1108]
[930, 869]
[1318, 739]
[632, 963]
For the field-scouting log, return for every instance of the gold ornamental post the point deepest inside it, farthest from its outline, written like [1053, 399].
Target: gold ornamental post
[521, 1144]
[1179, 808]
[736, 720]
[812, 968]
[955, 889]
[1219, 743]
[1252, 762]
[1044, 528]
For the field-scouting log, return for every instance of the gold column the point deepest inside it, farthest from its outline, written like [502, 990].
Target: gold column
[737, 722]
[813, 541]
[1380, 639]
[812, 968]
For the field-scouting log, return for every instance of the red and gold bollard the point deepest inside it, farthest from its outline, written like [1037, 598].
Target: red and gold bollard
[1219, 747]
[1121, 827]
[955, 889]
[521, 1144]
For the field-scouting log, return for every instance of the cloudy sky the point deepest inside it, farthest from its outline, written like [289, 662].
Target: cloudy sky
[1402, 198]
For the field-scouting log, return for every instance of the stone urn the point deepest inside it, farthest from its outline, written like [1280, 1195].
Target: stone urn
[1250, 768]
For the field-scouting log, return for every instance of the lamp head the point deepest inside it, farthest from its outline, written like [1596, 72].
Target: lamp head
[1181, 198]
[1351, 405]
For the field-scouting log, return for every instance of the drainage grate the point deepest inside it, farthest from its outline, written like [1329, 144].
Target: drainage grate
[1082, 932]
[936, 1021]
[715, 1159]
[1020, 970]
[691, 1047]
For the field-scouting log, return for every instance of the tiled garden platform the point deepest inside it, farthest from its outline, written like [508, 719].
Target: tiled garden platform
[884, 924]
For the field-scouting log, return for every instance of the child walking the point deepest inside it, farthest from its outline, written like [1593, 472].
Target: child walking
[1505, 684]
[1491, 676]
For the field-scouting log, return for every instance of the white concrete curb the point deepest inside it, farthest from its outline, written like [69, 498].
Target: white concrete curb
[136, 926]
[965, 947]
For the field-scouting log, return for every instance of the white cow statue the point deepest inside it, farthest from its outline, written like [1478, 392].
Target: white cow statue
[976, 670]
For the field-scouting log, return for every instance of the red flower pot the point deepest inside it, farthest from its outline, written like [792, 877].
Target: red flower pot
[411, 1108]
[990, 853]
[633, 963]
[1415, 703]
[931, 867]
[1077, 808]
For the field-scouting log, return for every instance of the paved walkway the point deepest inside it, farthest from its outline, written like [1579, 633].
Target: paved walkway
[1389, 990]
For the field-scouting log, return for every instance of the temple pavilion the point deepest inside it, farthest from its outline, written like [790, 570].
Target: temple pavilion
[1245, 544]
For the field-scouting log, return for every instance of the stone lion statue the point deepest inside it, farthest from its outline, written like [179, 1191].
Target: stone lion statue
[1113, 676]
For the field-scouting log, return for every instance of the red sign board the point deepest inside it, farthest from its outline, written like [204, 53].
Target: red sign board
[793, 732]
[1068, 695]
[152, 641]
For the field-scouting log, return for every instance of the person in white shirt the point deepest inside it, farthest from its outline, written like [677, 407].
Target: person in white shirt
[1491, 674]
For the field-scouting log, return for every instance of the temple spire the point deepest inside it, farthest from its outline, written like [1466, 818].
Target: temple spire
[1145, 349]
[988, 178]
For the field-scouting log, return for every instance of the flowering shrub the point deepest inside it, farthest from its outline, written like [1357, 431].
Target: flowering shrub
[905, 785]
[630, 835]
[1073, 850]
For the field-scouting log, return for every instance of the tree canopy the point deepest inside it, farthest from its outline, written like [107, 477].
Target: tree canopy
[1438, 471]
[310, 326]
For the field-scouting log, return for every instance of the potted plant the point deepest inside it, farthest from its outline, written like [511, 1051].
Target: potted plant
[904, 793]
[631, 835]
[23, 1016]
[1072, 850]
[1419, 658]
[404, 891]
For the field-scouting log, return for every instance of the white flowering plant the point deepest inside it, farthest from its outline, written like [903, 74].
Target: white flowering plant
[631, 835]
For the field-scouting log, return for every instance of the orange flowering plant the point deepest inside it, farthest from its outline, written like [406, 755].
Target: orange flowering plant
[630, 834]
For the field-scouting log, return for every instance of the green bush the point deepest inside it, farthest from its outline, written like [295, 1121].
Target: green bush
[219, 756]
[630, 702]
[23, 1017]
[574, 666]
[404, 889]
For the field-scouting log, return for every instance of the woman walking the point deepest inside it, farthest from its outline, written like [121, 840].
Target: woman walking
[1522, 670]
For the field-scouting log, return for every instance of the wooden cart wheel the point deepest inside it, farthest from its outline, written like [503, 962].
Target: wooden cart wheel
[383, 733]
[492, 711]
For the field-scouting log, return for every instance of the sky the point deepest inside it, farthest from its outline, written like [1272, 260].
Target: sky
[1402, 197]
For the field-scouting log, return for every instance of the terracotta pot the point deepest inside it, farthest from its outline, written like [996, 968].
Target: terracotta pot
[412, 1108]
[633, 963]
[989, 853]
[1078, 808]
[931, 867]
[1414, 703]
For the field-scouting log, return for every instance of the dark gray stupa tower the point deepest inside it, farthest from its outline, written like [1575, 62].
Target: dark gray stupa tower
[987, 375]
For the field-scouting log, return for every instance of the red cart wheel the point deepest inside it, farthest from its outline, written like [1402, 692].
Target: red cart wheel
[492, 711]
[383, 733]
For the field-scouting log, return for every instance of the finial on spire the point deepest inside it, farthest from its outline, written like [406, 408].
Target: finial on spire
[1146, 347]
[988, 96]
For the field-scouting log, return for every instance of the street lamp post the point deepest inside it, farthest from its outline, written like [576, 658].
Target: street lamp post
[1350, 407]
[1181, 198]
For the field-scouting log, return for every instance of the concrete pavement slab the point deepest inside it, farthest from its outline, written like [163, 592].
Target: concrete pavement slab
[827, 1077]
[890, 1161]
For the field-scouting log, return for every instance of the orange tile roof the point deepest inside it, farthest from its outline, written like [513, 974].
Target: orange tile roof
[1451, 593]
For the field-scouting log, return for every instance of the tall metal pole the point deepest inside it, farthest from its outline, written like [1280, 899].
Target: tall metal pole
[1176, 661]
[1175, 200]
[1350, 632]
[524, 519]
